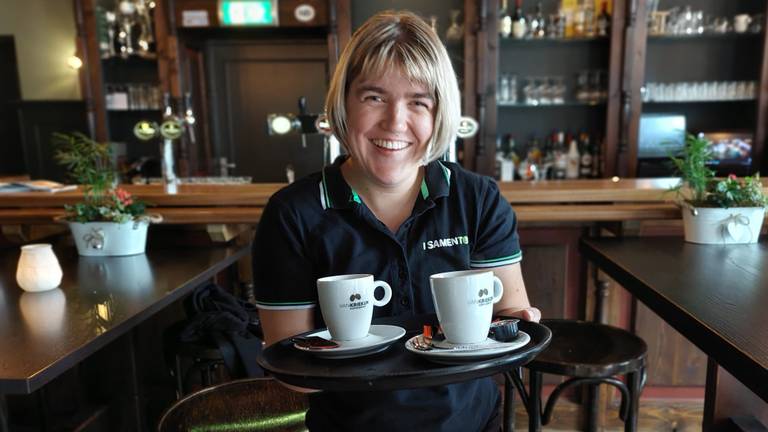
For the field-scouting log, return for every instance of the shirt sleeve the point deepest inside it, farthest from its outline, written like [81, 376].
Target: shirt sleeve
[497, 243]
[282, 273]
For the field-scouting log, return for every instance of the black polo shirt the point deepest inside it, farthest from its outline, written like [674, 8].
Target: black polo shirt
[318, 226]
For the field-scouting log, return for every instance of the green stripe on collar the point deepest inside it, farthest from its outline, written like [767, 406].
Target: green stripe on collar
[446, 172]
[355, 197]
[424, 189]
[325, 192]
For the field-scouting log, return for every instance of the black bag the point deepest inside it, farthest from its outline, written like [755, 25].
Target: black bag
[232, 325]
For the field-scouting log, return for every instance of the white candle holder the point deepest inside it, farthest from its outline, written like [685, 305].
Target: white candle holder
[38, 269]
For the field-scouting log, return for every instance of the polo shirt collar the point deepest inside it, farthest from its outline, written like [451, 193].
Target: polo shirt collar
[336, 193]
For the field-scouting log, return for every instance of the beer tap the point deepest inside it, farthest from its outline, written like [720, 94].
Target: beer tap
[189, 117]
[170, 129]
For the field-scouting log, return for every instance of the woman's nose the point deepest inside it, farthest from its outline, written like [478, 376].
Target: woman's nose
[396, 118]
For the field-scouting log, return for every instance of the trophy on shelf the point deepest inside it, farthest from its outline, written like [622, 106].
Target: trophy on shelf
[147, 35]
[125, 21]
[128, 29]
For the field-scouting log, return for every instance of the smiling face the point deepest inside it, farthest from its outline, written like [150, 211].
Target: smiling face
[390, 120]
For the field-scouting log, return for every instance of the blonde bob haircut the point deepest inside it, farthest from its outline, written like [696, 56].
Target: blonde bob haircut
[398, 39]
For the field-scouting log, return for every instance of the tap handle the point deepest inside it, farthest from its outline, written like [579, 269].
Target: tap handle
[168, 109]
[188, 101]
[302, 105]
[189, 114]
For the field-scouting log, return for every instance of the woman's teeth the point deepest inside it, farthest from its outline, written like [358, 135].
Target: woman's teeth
[390, 145]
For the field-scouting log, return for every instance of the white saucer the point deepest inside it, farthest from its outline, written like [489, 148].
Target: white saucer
[379, 338]
[457, 354]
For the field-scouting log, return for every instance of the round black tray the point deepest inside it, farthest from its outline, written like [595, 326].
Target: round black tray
[395, 368]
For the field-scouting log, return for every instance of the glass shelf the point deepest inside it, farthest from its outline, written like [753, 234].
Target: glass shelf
[130, 110]
[719, 101]
[552, 41]
[704, 37]
[563, 105]
[133, 58]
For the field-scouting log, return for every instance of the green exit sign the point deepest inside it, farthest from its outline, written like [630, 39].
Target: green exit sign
[248, 12]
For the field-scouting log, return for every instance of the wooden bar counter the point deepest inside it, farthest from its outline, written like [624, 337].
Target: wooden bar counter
[544, 201]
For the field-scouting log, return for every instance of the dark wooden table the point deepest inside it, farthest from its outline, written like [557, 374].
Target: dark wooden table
[99, 300]
[716, 296]
[393, 369]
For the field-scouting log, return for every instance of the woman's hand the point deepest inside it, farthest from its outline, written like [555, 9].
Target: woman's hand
[514, 302]
[527, 314]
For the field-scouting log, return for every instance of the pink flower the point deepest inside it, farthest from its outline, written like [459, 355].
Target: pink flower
[732, 177]
[123, 196]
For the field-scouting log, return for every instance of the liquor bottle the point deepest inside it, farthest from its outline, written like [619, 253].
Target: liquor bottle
[587, 159]
[499, 159]
[507, 171]
[536, 26]
[548, 160]
[534, 152]
[519, 24]
[589, 18]
[504, 91]
[509, 150]
[597, 170]
[578, 20]
[573, 160]
[603, 20]
[505, 20]
[542, 30]
[561, 160]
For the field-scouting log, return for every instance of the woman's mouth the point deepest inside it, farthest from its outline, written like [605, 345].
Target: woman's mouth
[390, 144]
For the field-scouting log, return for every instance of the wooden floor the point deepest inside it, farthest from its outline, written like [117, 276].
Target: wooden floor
[656, 415]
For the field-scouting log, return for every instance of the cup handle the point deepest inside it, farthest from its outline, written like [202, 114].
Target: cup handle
[387, 293]
[498, 289]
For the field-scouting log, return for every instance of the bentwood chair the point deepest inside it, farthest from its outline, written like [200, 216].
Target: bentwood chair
[249, 404]
[589, 354]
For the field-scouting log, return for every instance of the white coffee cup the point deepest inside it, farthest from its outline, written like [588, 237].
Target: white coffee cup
[464, 303]
[347, 301]
[741, 23]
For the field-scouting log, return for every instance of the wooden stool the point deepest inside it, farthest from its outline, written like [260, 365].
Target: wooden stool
[590, 354]
[250, 404]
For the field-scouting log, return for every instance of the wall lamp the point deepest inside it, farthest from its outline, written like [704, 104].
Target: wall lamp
[74, 62]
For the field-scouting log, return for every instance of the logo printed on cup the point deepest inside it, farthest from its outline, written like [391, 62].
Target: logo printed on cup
[483, 298]
[354, 304]
[464, 303]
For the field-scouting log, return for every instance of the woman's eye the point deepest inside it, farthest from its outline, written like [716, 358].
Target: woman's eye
[373, 98]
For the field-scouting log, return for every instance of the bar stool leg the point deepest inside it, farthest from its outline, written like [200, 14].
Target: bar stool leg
[633, 384]
[592, 406]
[534, 402]
[509, 404]
[4, 422]
[179, 378]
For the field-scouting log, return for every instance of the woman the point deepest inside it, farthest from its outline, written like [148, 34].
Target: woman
[394, 104]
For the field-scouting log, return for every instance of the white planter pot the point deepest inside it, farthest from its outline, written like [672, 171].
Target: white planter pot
[723, 225]
[110, 238]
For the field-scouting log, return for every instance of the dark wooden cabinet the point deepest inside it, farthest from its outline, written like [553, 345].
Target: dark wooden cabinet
[545, 63]
[700, 77]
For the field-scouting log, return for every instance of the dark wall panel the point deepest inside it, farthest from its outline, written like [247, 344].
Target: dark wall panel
[249, 80]
[38, 120]
[11, 159]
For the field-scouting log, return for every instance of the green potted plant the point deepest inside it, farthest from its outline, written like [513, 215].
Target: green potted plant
[716, 210]
[109, 221]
